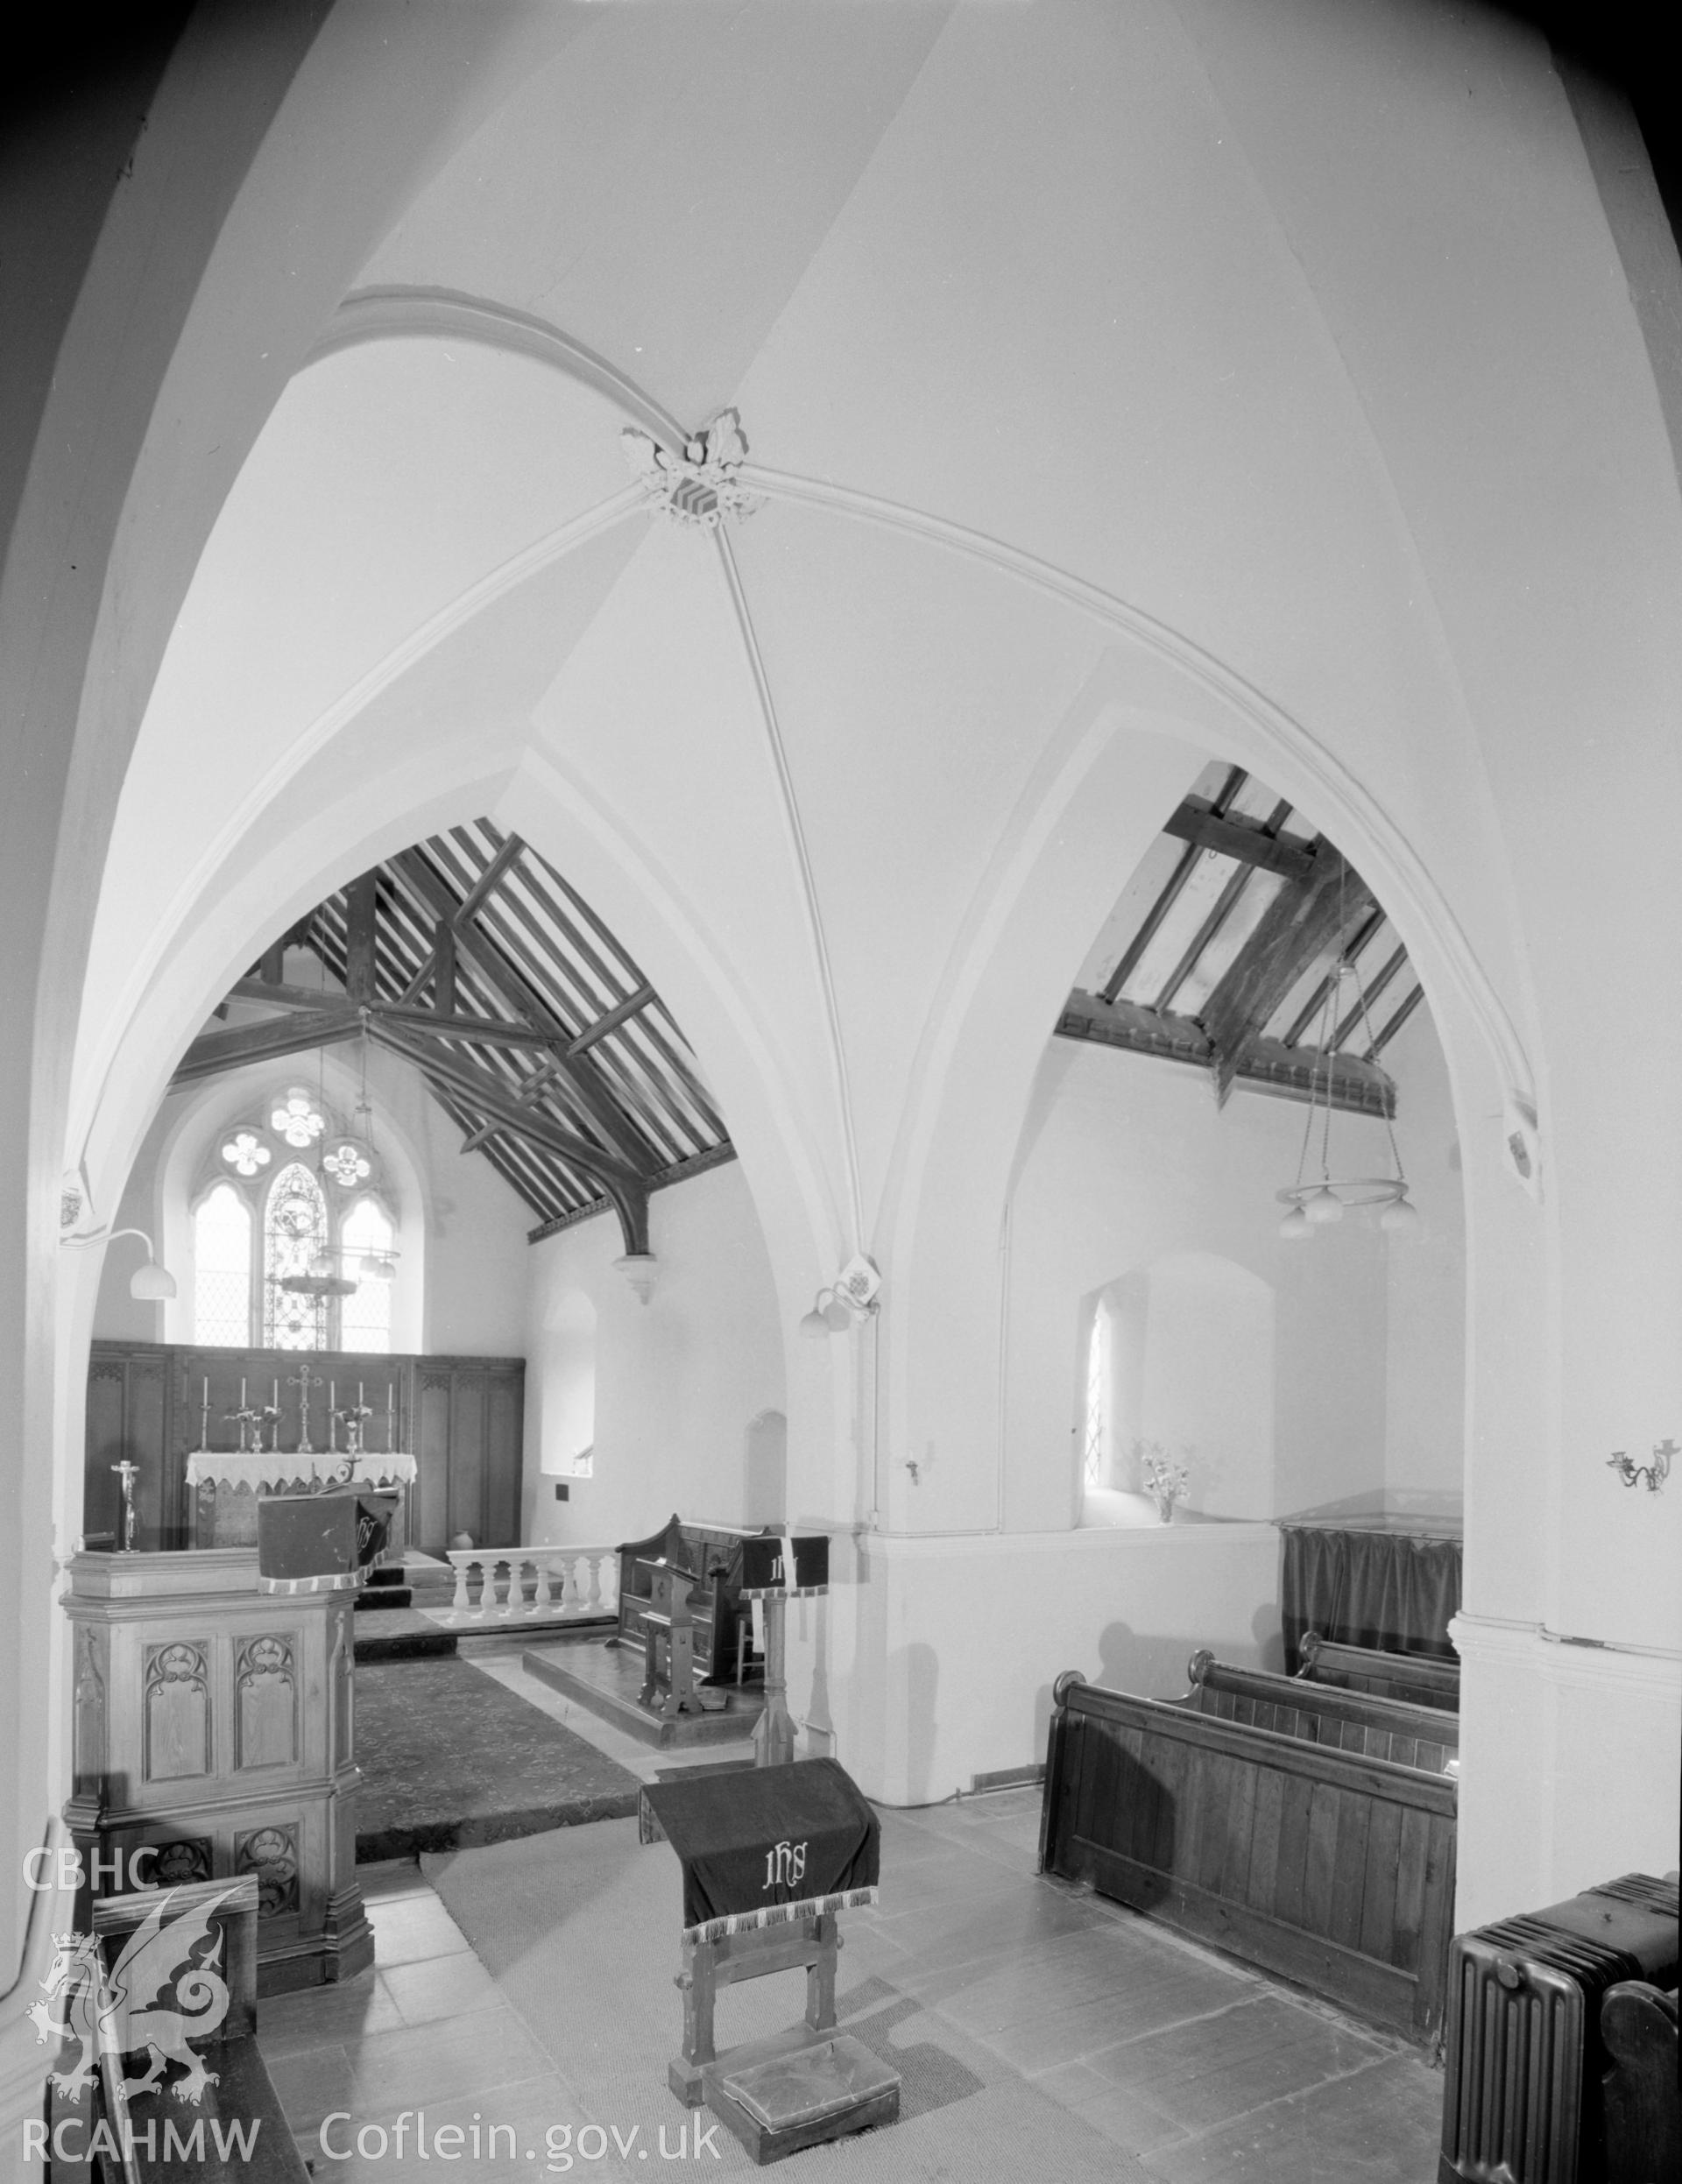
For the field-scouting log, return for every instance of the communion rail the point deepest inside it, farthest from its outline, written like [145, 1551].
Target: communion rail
[534, 1584]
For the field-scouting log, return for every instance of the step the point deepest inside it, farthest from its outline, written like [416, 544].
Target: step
[605, 1680]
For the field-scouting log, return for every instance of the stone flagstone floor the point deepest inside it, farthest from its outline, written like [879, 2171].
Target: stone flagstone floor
[1194, 2066]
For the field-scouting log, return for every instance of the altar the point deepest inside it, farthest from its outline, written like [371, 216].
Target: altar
[226, 1486]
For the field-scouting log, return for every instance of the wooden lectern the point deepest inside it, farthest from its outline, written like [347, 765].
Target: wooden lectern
[770, 1857]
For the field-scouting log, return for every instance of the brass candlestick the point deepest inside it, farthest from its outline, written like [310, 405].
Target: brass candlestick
[128, 1473]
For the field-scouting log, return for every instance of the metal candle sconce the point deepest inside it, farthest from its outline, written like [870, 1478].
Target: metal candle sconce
[1655, 1473]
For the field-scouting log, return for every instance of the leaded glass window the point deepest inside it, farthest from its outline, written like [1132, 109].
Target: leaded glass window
[222, 1269]
[295, 1232]
[365, 1318]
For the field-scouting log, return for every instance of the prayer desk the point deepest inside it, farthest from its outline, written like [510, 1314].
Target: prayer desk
[769, 1856]
[668, 1640]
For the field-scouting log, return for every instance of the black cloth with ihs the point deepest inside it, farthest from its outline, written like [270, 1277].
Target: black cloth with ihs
[750, 1838]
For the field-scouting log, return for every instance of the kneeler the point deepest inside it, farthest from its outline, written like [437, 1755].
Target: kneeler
[770, 1855]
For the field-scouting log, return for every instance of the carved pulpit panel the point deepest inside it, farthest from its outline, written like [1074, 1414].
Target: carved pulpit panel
[271, 1854]
[177, 1711]
[265, 1702]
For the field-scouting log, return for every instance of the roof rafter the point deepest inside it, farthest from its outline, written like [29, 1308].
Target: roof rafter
[475, 1084]
[514, 992]
[1304, 920]
[212, 1052]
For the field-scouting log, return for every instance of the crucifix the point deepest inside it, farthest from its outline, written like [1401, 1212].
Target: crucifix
[127, 1473]
[303, 1380]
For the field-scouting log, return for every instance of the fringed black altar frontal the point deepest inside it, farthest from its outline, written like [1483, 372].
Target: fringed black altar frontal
[764, 1845]
[779, 1915]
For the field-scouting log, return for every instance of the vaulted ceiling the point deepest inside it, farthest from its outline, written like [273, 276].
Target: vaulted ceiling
[1245, 944]
[472, 958]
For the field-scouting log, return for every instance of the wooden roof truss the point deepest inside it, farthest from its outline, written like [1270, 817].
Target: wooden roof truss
[473, 959]
[1224, 952]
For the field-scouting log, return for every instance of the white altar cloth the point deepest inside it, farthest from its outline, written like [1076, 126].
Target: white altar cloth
[278, 1471]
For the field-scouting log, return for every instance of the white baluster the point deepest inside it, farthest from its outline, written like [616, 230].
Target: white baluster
[540, 1598]
[593, 1598]
[459, 1603]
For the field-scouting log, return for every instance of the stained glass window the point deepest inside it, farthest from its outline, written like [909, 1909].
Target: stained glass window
[365, 1318]
[246, 1153]
[222, 1269]
[298, 1118]
[295, 1230]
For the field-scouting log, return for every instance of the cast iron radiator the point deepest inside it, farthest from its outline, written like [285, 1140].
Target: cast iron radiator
[1523, 2052]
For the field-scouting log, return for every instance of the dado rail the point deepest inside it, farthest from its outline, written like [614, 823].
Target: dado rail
[534, 1584]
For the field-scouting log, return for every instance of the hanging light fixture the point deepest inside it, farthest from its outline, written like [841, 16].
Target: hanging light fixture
[325, 1278]
[354, 1159]
[1316, 1201]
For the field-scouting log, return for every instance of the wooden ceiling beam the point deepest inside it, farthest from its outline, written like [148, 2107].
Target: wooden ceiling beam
[1134, 953]
[1201, 825]
[361, 908]
[621, 1013]
[309, 997]
[443, 968]
[514, 994]
[213, 1052]
[509, 855]
[1357, 1087]
[490, 1030]
[475, 1085]
[1305, 919]
[1398, 1019]
[1315, 1004]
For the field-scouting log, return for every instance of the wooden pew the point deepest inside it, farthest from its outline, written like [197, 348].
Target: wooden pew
[1420, 1677]
[1325, 1713]
[1322, 1865]
[196, 2030]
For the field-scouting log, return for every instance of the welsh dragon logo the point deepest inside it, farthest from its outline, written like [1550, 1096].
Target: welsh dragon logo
[133, 2009]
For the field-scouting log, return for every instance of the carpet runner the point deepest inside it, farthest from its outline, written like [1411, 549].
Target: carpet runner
[450, 1757]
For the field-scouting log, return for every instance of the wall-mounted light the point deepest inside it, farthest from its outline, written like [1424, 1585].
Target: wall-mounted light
[1655, 1473]
[149, 1284]
[851, 1295]
[828, 1315]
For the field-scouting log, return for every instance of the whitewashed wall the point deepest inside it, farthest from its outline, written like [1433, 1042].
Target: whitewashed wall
[678, 1382]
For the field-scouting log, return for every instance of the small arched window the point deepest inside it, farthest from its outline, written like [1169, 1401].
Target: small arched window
[1096, 1423]
[366, 1318]
[222, 1269]
[295, 1232]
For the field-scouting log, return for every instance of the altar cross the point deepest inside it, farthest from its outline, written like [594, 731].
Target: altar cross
[303, 1380]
